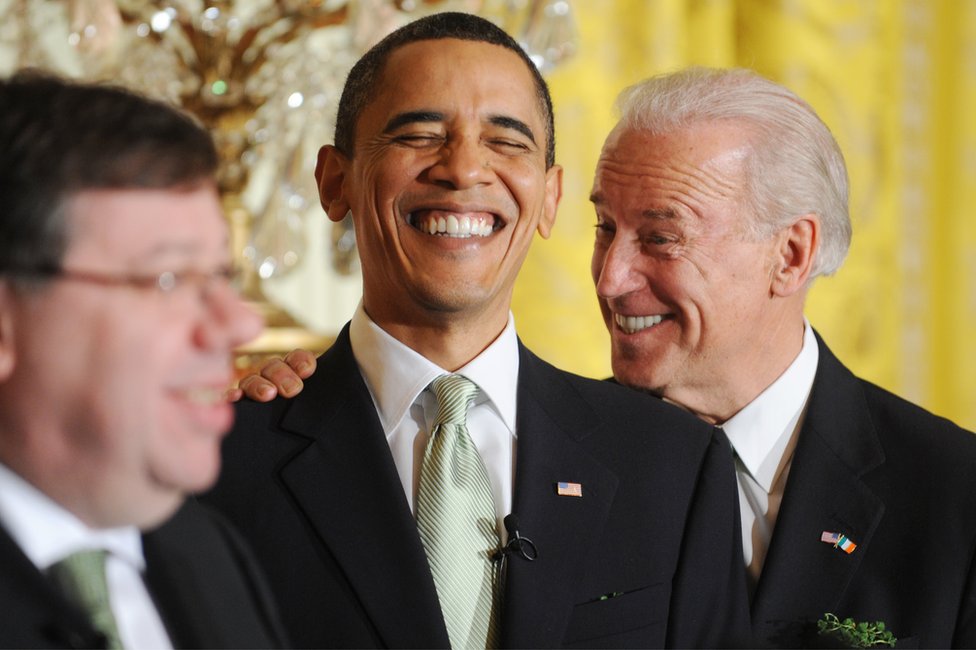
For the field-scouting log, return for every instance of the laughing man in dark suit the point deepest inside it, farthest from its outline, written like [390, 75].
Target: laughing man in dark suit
[444, 156]
[117, 324]
[720, 196]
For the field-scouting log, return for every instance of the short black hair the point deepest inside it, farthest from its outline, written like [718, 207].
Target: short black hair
[361, 84]
[61, 137]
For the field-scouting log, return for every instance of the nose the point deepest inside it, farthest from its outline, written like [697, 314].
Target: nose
[615, 269]
[226, 321]
[462, 163]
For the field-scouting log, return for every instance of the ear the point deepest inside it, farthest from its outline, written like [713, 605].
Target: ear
[554, 192]
[794, 255]
[7, 355]
[330, 175]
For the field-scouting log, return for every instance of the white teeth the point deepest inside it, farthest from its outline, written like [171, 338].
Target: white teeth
[454, 226]
[631, 324]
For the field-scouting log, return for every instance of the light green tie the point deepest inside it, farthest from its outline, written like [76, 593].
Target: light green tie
[456, 518]
[81, 577]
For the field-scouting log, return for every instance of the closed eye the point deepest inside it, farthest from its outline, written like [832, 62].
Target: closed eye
[419, 139]
[509, 144]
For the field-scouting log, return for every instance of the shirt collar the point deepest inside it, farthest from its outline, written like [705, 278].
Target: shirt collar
[761, 432]
[47, 532]
[396, 374]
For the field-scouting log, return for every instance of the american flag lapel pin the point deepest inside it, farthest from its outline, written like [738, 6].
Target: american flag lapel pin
[567, 489]
[839, 540]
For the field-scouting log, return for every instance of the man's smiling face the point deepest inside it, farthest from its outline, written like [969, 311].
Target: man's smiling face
[683, 286]
[447, 183]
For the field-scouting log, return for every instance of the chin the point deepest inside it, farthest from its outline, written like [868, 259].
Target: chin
[631, 374]
[634, 378]
[642, 386]
[199, 481]
[152, 515]
[193, 469]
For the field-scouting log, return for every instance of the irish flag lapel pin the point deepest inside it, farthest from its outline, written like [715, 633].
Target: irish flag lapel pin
[839, 540]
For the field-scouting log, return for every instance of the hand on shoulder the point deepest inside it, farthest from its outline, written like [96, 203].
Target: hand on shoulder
[276, 376]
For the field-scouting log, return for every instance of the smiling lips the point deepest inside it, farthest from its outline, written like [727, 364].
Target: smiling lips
[634, 324]
[202, 395]
[450, 224]
[206, 406]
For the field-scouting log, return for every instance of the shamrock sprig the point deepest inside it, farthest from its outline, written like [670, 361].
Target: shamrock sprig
[856, 635]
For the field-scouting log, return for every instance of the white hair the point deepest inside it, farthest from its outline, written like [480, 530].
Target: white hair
[795, 166]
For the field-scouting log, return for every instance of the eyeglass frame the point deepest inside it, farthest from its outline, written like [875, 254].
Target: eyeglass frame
[165, 282]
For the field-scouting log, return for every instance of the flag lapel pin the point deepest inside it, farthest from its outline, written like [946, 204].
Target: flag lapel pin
[839, 540]
[567, 489]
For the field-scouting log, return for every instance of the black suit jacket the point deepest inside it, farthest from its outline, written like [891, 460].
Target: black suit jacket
[202, 579]
[649, 555]
[899, 482]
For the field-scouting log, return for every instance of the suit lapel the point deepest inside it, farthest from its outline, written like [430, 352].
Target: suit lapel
[40, 615]
[372, 536]
[803, 577]
[551, 422]
[182, 595]
[202, 586]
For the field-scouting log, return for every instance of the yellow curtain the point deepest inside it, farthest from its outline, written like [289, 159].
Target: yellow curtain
[896, 82]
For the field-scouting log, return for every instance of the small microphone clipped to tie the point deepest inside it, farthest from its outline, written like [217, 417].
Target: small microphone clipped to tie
[523, 547]
[517, 545]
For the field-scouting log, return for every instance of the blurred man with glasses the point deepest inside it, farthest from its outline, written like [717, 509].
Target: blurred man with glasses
[117, 323]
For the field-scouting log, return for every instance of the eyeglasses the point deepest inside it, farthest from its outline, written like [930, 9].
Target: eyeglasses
[165, 282]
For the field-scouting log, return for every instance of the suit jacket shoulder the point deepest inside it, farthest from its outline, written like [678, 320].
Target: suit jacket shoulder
[200, 577]
[898, 481]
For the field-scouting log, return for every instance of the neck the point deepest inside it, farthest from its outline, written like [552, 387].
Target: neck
[449, 342]
[765, 359]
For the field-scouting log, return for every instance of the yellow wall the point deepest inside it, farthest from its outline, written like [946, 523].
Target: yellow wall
[896, 82]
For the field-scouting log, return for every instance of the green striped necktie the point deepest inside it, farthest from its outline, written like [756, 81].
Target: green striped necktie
[456, 518]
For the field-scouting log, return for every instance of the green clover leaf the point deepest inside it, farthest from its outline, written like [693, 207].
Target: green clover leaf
[856, 635]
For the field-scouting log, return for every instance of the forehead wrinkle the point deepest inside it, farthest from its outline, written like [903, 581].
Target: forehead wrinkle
[686, 187]
[692, 181]
[718, 182]
[722, 170]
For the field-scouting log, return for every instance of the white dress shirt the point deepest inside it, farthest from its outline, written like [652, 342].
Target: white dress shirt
[397, 377]
[763, 435]
[47, 533]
